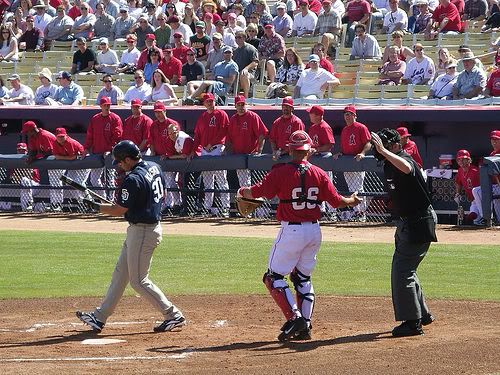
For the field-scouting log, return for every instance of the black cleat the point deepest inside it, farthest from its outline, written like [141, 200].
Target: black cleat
[408, 328]
[427, 319]
[90, 319]
[170, 324]
[291, 328]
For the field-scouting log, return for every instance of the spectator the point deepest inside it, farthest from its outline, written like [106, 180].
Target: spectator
[141, 90]
[292, 68]
[405, 53]
[252, 35]
[393, 70]
[379, 10]
[445, 19]
[180, 50]
[442, 87]
[444, 57]
[215, 55]
[264, 16]
[193, 70]
[246, 57]
[471, 81]
[112, 8]
[282, 22]
[357, 12]
[152, 12]
[227, 38]
[19, 93]
[460, 4]
[200, 41]
[74, 10]
[467, 179]
[225, 74]
[240, 18]
[305, 21]
[178, 27]
[314, 81]
[396, 18]
[68, 92]
[161, 91]
[232, 27]
[420, 70]
[47, 89]
[9, 51]
[172, 67]
[136, 127]
[32, 38]
[364, 46]
[475, 10]
[419, 24]
[155, 61]
[209, 19]
[84, 24]
[145, 53]
[107, 59]
[190, 18]
[3, 90]
[319, 49]
[142, 29]
[462, 51]
[103, 23]
[84, 58]
[272, 50]
[59, 28]
[249, 9]
[329, 21]
[134, 8]
[42, 18]
[162, 32]
[114, 93]
[283, 127]
[493, 83]
[409, 146]
[130, 57]
[122, 25]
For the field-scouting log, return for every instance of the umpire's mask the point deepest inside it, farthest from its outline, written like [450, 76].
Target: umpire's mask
[388, 137]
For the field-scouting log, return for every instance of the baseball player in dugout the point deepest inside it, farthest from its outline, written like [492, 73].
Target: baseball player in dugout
[283, 127]
[136, 127]
[139, 200]
[26, 177]
[414, 233]
[246, 134]
[300, 187]
[466, 179]
[210, 133]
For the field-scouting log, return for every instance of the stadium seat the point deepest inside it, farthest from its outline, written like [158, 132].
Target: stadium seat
[368, 92]
[343, 91]
[347, 78]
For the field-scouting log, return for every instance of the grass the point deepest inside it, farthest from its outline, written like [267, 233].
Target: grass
[52, 264]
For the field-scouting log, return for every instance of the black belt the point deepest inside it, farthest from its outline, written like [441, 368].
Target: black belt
[304, 222]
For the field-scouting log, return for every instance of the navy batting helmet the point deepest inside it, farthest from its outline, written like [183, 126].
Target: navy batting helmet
[125, 149]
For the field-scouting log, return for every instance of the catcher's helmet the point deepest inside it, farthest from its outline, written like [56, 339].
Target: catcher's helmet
[300, 140]
[125, 149]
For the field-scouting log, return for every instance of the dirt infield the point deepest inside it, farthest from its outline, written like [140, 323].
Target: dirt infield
[237, 334]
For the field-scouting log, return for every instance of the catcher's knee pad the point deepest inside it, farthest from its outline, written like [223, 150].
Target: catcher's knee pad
[305, 292]
[279, 290]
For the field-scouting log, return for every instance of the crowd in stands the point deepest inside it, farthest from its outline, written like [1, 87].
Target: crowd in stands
[227, 46]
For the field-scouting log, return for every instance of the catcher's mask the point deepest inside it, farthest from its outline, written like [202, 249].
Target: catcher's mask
[388, 137]
[299, 140]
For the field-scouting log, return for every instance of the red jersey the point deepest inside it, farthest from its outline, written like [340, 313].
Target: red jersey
[460, 4]
[493, 83]
[136, 129]
[282, 128]
[411, 149]
[103, 133]
[325, 64]
[172, 68]
[321, 134]
[450, 12]
[143, 57]
[183, 145]
[356, 10]
[71, 147]
[244, 132]
[181, 53]
[354, 138]
[468, 180]
[42, 143]
[159, 139]
[211, 128]
[284, 181]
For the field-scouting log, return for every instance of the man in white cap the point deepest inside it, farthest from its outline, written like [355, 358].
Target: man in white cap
[41, 17]
[471, 81]
[47, 88]
[122, 25]
[107, 59]
[314, 81]
[19, 93]
[282, 22]
[442, 88]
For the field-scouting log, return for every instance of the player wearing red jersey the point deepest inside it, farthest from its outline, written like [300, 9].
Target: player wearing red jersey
[283, 127]
[301, 187]
[28, 178]
[246, 134]
[137, 126]
[466, 179]
[210, 133]
[104, 131]
[409, 146]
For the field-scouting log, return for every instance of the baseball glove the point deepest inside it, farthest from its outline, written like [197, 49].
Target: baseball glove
[246, 205]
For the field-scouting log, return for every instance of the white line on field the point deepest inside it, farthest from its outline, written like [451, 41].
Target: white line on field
[38, 326]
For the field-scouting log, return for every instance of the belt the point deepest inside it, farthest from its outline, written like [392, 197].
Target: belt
[304, 222]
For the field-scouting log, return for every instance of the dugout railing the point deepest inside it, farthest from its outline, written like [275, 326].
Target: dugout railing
[490, 192]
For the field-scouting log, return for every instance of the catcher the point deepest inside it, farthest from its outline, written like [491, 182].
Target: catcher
[301, 188]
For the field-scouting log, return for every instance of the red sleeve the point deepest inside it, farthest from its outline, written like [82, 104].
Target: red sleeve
[367, 8]
[458, 178]
[328, 192]
[188, 146]
[89, 137]
[36, 175]
[117, 130]
[437, 13]
[142, 60]
[197, 135]
[489, 83]
[223, 127]
[146, 130]
[78, 146]
[269, 185]
[365, 135]
[262, 128]
[417, 157]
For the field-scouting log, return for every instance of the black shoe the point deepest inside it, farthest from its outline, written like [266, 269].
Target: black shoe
[291, 329]
[408, 328]
[303, 335]
[170, 324]
[427, 319]
[90, 319]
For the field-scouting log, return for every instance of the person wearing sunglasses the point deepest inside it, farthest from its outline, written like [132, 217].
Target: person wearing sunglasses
[141, 90]
[114, 93]
[107, 59]
[84, 23]
[442, 88]
[128, 61]
[141, 29]
[420, 70]
[192, 70]
[122, 25]
[84, 58]
[59, 28]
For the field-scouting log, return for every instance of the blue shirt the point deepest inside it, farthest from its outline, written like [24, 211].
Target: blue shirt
[142, 192]
[68, 95]
[226, 69]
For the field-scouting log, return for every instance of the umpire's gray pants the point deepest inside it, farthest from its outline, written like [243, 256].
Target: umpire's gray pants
[407, 295]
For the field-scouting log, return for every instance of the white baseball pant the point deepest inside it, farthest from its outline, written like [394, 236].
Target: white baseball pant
[220, 178]
[355, 182]
[478, 198]
[173, 197]
[27, 194]
[77, 175]
[95, 180]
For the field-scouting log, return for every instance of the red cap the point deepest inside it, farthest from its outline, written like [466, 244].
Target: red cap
[151, 36]
[178, 35]
[173, 19]
[326, 2]
[299, 140]
[135, 103]
[403, 132]
[287, 101]
[495, 134]
[463, 154]
[208, 96]
[239, 99]
[351, 109]
[232, 15]
[316, 110]
[268, 26]
[60, 131]
[22, 146]
[216, 18]
[28, 126]
[208, 15]
[159, 107]
[105, 100]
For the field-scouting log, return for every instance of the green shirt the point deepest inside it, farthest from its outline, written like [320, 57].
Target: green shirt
[163, 36]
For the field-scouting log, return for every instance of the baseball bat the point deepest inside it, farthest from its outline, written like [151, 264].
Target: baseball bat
[75, 185]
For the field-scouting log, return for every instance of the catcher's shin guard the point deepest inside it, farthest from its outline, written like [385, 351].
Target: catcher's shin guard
[305, 293]
[278, 288]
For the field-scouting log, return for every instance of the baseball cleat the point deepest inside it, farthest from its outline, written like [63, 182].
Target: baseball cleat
[408, 328]
[292, 328]
[427, 319]
[303, 335]
[170, 324]
[91, 320]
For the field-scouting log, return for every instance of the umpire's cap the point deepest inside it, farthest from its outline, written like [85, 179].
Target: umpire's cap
[125, 149]
[388, 136]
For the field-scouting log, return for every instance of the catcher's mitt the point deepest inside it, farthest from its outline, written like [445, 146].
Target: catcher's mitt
[246, 205]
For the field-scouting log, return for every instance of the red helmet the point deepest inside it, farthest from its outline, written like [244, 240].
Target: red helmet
[300, 140]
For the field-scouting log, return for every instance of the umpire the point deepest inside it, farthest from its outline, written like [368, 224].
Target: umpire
[415, 231]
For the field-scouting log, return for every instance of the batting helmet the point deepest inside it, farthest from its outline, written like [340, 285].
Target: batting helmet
[125, 149]
[300, 140]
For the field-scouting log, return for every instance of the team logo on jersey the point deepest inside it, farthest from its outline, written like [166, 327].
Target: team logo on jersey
[352, 140]
[107, 127]
[289, 129]
[212, 121]
[125, 195]
[164, 133]
[418, 72]
[469, 183]
[137, 126]
[315, 140]
[244, 126]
